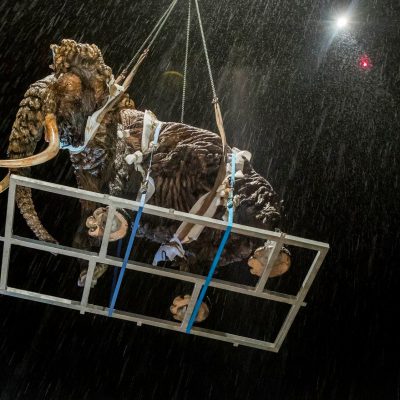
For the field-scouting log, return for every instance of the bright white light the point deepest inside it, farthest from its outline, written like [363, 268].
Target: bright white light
[342, 22]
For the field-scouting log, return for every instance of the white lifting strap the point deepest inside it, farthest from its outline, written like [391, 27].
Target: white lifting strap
[150, 135]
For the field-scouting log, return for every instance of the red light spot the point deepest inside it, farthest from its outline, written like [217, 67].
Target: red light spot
[365, 62]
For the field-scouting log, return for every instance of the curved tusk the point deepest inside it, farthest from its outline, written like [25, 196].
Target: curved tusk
[51, 136]
[5, 183]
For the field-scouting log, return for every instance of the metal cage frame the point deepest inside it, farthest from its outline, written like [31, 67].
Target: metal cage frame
[259, 291]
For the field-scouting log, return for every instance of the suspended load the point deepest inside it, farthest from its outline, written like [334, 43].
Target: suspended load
[215, 208]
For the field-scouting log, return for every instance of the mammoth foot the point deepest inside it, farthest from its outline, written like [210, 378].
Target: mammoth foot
[97, 223]
[99, 271]
[258, 261]
[179, 307]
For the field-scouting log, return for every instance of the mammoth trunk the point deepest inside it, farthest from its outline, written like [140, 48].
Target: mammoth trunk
[26, 132]
[76, 101]
[25, 204]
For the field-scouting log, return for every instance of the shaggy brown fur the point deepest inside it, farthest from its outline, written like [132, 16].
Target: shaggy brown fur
[185, 164]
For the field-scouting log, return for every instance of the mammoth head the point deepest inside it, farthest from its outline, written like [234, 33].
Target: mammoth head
[59, 104]
[81, 87]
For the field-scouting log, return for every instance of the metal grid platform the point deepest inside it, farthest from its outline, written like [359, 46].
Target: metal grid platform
[92, 258]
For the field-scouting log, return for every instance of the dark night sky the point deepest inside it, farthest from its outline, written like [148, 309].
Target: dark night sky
[321, 129]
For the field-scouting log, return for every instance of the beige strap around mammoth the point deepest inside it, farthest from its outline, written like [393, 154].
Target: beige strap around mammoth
[202, 209]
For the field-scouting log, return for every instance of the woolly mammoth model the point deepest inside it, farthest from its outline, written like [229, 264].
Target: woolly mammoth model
[185, 165]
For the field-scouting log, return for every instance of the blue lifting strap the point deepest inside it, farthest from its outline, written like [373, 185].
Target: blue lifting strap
[219, 251]
[134, 229]
[127, 254]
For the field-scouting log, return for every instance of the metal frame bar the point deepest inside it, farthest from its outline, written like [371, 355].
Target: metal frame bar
[8, 232]
[270, 263]
[101, 257]
[87, 286]
[190, 307]
[308, 280]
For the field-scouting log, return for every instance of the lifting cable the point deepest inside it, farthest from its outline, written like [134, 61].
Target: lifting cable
[118, 87]
[186, 61]
[145, 47]
[215, 101]
[217, 110]
[218, 117]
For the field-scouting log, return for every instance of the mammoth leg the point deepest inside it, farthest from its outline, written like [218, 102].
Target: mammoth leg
[96, 222]
[259, 206]
[195, 265]
[258, 261]
[81, 239]
[180, 304]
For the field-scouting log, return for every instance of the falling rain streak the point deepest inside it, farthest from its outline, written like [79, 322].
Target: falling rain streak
[318, 107]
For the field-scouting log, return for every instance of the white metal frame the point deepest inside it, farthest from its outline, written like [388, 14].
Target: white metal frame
[83, 306]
